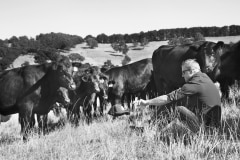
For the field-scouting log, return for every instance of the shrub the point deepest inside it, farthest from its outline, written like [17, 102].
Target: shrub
[107, 65]
[91, 42]
[76, 57]
[199, 37]
[120, 47]
[126, 60]
[144, 41]
[180, 41]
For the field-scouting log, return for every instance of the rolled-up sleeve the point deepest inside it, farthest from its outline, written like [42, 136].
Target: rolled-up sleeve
[175, 95]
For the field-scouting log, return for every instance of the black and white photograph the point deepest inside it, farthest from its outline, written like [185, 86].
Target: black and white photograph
[119, 80]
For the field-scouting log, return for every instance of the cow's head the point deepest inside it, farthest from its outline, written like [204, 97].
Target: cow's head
[62, 72]
[208, 57]
[230, 66]
[92, 81]
[103, 85]
[62, 96]
[88, 79]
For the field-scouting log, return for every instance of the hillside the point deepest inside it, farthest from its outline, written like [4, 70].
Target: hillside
[105, 52]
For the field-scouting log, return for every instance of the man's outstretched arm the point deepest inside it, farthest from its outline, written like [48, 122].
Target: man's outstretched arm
[158, 101]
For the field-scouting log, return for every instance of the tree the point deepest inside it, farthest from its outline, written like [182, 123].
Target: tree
[120, 47]
[144, 41]
[92, 43]
[76, 57]
[102, 38]
[106, 66]
[126, 60]
[199, 37]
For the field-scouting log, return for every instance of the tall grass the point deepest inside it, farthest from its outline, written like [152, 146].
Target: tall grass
[107, 139]
[112, 140]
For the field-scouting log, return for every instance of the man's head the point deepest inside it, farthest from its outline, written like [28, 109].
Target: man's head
[189, 68]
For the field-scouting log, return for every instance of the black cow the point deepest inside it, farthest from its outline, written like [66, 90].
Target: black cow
[61, 98]
[32, 90]
[167, 62]
[87, 81]
[102, 97]
[230, 67]
[128, 79]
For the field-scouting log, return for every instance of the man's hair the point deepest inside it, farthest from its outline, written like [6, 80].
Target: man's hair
[191, 64]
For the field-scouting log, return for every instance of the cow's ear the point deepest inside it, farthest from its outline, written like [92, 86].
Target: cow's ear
[85, 78]
[76, 64]
[194, 47]
[219, 44]
[55, 66]
[102, 76]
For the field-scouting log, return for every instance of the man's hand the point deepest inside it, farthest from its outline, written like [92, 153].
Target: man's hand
[140, 102]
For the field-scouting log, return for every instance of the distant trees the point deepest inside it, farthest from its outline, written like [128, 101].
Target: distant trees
[91, 42]
[120, 47]
[45, 47]
[107, 65]
[182, 40]
[126, 60]
[167, 34]
[198, 37]
[102, 38]
[144, 41]
[8, 55]
[76, 57]
[59, 40]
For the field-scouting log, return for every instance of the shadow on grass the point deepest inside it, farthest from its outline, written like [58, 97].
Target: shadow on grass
[110, 51]
[86, 47]
[116, 55]
[138, 48]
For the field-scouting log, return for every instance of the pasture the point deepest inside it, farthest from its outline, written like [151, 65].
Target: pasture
[107, 139]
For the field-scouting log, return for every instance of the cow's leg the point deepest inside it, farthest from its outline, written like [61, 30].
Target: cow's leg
[25, 119]
[73, 114]
[42, 123]
[77, 116]
[87, 113]
[128, 97]
[95, 105]
[101, 103]
[32, 123]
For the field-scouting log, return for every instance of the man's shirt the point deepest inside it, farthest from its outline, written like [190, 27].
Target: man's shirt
[200, 92]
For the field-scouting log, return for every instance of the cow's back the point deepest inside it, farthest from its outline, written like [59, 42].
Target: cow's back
[167, 67]
[132, 77]
[13, 83]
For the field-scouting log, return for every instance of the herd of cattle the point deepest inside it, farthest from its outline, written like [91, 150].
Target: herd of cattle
[34, 89]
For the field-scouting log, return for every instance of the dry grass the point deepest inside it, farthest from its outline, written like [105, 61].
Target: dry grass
[108, 140]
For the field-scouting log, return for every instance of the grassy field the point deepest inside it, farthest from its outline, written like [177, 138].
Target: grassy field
[105, 52]
[112, 140]
[108, 140]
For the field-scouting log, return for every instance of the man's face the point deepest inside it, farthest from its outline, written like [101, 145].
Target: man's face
[186, 73]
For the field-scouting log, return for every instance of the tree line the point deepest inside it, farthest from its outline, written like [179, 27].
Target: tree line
[167, 34]
[48, 46]
[44, 46]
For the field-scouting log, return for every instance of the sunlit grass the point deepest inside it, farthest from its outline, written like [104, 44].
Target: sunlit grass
[107, 139]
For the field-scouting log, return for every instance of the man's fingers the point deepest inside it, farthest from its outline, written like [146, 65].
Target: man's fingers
[136, 102]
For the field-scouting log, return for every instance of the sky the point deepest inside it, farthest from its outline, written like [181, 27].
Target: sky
[93, 17]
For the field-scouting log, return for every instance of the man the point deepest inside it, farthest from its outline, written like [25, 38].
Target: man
[202, 105]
